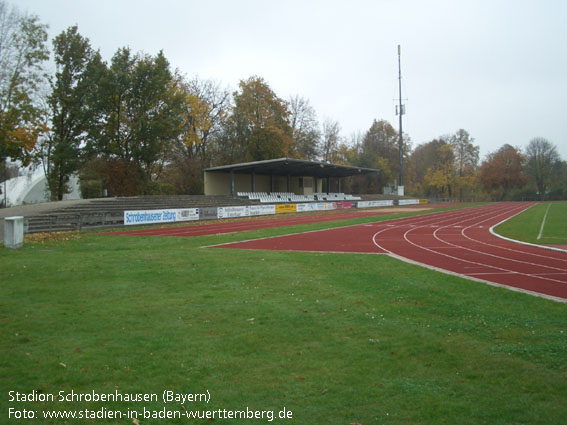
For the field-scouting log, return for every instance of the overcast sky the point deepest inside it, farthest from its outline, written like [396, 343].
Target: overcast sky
[495, 68]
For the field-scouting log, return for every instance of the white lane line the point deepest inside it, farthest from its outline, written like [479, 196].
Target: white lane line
[500, 269]
[543, 223]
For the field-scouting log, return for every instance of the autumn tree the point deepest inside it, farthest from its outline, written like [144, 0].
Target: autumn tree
[205, 113]
[502, 171]
[60, 151]
[440, 177]
[380, 149]
[466, 161]
[423, 158]
[138, 116]
[23, 50]
[260, 123]
[541, 159]
[304, 127]
[205, 110]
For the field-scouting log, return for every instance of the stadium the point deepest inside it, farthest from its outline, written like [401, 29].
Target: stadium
[284, 301]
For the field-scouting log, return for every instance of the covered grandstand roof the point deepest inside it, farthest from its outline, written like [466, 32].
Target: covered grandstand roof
[293, 167]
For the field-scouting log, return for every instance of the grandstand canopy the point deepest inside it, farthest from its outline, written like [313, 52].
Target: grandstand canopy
[293, 167]
[267, 176]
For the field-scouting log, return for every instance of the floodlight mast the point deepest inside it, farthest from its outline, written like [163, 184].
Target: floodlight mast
[401, 112]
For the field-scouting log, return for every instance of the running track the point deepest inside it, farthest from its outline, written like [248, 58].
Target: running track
[457, 242]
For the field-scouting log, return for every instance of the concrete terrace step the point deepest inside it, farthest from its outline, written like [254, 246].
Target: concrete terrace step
[110, 211]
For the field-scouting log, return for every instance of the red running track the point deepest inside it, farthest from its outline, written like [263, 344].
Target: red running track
[458, 242]
[215, 228]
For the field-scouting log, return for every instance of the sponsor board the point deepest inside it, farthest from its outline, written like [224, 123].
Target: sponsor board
[306, 207]
[372, 204]
[262, 209]
[208, 213]
[286, 208]
[187, 214]
[232, 212]
[330, 205]
[423, 201]
[160, 216]
[408, 202]
[344, 205]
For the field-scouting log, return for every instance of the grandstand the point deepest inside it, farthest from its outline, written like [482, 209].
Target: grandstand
[258, 183]
[277, 197]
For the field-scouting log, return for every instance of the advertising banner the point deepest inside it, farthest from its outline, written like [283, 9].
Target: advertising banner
[286, 208]
[343, 205]
[262, 209]
[231, 212]
[306, 207]
[372, 204]
[408, 202]
[187, 214]
[208, 213]
[160, 216]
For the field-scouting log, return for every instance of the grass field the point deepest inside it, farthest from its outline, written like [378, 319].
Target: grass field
[527, 226]
[333, 338]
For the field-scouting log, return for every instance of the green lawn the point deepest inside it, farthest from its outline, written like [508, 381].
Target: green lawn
[333, 338]
[527, 226]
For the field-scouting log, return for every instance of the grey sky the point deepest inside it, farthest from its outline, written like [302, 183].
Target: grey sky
[496, 68]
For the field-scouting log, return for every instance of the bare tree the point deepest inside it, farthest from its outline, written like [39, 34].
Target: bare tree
[330, 139]
[305, 128]
[541, 159]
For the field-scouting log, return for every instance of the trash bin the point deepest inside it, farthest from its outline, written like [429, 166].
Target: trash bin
[14, 232]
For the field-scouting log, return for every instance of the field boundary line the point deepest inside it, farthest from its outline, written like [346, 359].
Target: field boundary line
[493, 232]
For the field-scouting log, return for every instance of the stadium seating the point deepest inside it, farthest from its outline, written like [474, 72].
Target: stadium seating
[275, 197]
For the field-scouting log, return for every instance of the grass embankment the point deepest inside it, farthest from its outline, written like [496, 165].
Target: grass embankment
[335, 338]
[527, 226]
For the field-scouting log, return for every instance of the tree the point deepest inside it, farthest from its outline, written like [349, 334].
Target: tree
[22, 53]
[138, 116]
[441, 175]
[305, 128]
[466, 160]
[423, 158]
[205, 113]
[502, 171]
[330, 140]
[541, 158]
[380, 149]
[61, 150]
[260, 122]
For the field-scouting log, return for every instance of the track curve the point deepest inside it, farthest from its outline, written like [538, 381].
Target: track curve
[457, 242]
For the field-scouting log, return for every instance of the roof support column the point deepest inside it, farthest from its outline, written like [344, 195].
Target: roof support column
[288, 182]
[231, 182]
[253, 181]
[271, 183]
[340, 181]
[328, 184]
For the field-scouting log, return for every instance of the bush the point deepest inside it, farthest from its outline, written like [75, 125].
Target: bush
[91, 188]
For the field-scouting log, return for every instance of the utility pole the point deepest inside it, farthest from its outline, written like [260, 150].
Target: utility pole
[401, 112]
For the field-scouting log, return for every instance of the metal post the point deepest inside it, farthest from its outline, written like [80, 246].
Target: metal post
[401, 141]
[231, 182]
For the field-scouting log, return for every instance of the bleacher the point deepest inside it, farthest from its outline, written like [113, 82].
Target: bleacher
[276, 197]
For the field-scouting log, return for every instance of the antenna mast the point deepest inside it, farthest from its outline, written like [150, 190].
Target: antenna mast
[401, 112]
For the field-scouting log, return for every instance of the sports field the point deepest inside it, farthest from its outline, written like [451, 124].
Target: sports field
[332, 338]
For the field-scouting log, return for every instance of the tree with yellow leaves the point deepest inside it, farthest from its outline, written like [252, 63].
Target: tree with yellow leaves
[22, 52]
